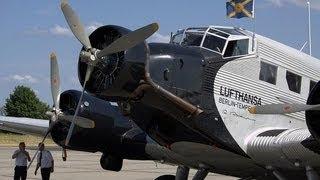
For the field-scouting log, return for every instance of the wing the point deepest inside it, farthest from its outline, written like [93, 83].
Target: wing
[23, 125]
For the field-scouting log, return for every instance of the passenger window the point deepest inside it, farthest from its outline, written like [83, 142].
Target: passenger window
[237, 48]
[294, 82]
[312, 84]
[214, 43]
[268, 73]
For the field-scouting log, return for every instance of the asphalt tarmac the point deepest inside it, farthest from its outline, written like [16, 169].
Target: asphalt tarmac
[86, 166]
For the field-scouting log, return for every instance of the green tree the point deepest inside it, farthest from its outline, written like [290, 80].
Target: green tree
[23, 102]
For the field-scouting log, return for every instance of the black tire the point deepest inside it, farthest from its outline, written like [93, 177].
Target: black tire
[111, 163]
[166, 177]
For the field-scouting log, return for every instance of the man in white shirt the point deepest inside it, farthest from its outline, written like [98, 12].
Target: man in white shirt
[22, 157]
[45, 161]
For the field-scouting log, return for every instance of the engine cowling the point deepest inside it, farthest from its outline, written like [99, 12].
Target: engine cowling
[92, 108]
[118, 74]
[313, 117]
[113, 134]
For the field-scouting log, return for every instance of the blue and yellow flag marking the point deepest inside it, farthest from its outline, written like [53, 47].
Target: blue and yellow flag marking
[240, 8]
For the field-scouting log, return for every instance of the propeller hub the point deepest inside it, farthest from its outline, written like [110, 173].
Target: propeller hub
[90, 57]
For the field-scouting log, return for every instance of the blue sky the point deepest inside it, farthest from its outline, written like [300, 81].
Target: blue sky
[31, 30]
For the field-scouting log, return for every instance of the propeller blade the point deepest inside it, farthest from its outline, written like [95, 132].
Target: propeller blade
[129, 40]
[55, 80]
[75, 24]
[282, 108]
[73, 119]
[87, 77]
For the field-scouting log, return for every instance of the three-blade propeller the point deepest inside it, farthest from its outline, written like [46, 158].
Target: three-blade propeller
[93, 55]
[282, 108]
[56, 115]
[55, 91]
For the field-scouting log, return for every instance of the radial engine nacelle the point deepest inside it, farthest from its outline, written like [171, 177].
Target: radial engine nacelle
[118, 74]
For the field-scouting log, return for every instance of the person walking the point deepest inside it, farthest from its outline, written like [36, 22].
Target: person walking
[45, 162]
[21, 157]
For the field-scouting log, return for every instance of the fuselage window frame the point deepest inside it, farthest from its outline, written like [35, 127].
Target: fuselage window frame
[295, 81]
[268, 73]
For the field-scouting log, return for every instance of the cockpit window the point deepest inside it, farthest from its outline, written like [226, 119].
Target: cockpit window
[229, 42]
[192, 39]
[237, 48]
[214, 43]
[213, 31]
[230, 31]
[177, 38]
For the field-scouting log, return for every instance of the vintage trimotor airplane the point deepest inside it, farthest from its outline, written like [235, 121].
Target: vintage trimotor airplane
[231, 102]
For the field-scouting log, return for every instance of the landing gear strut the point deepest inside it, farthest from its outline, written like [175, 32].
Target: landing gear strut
[311, 173]
[201, 174]
[182, 173]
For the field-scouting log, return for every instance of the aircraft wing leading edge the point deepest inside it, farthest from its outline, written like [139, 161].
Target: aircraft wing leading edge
[23, 125]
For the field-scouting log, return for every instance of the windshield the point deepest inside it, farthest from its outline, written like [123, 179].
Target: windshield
[192, 39]
[214, 43]
[237, 48]
[177, 38]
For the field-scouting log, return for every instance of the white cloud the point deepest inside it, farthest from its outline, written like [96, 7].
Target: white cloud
[93, 26]
[23, 79]
[315, 4]
[60, 31]
[156, 37]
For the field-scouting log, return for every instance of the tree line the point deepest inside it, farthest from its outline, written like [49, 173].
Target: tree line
[23, 102]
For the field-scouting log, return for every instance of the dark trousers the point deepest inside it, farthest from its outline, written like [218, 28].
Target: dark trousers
[20, 173]
[45, 173]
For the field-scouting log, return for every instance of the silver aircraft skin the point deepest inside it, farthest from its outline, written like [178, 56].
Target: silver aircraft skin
[264, 72]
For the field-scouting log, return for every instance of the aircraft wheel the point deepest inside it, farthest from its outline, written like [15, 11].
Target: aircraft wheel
[166, 177]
